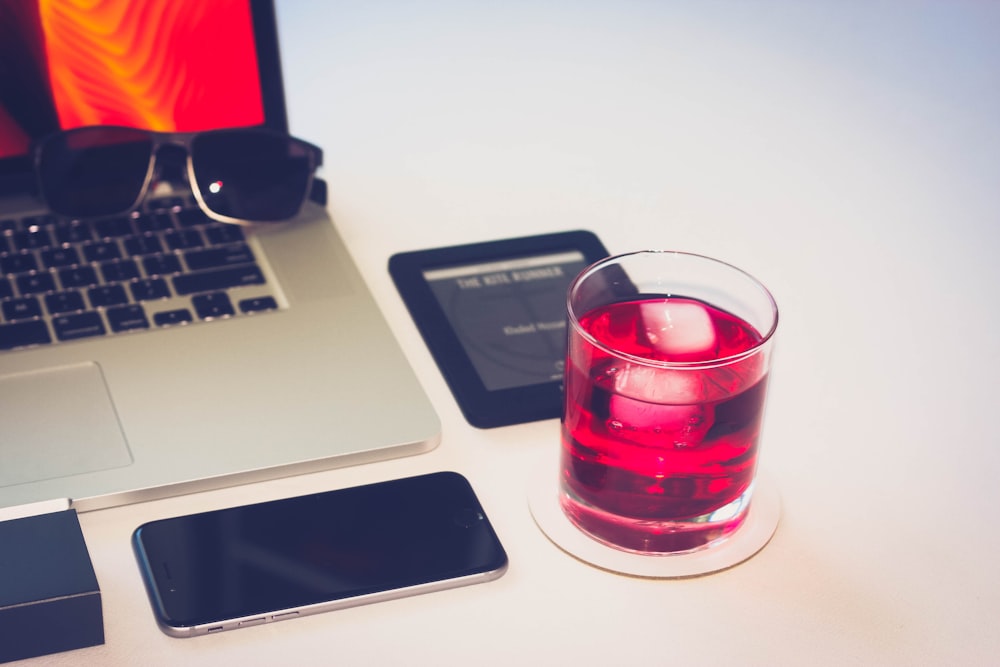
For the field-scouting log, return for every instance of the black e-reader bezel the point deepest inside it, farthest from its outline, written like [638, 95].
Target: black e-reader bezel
[481, 406]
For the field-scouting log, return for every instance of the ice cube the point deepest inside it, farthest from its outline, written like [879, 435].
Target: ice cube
[659, 385]
[678, 327]
[651, 423]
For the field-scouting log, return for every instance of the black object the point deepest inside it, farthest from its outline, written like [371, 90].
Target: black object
[236, 175]
[494, 318]
[49, 597]
[276, 560]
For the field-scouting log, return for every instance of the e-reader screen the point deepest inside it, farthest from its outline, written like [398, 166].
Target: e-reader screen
[493, 315]
[509, 315]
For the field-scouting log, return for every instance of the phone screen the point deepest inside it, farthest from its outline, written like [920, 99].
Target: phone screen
[269, 561]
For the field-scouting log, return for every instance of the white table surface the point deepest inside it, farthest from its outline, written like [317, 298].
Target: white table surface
[848, 154]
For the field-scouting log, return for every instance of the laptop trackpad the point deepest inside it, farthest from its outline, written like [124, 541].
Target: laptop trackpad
[58, 422]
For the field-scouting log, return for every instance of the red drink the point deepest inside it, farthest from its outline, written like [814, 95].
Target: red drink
[660, 435]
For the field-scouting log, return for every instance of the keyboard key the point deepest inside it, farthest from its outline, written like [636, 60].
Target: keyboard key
[107, 295]
[4, 246]
[18, 263]
[210, 281]
[171, 317]
[209, 306]
[101, 251]
[113, 228]
[184, 239]
[143, 245]
[149, 289]
[6, 291]
[32, 239]
[74, 232]
[22, 334]
[127, 318]
[257, 304]
[120, 271]
[221, 233]
[22, 309]
[8, 225]
[54, 258]
[154, 222]
[36, 283]
[64, 302]
[78, 276]
[161, 265]
[81, 325]
[213, 258]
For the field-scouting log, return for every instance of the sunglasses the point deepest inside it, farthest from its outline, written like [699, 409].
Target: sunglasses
[247, 175]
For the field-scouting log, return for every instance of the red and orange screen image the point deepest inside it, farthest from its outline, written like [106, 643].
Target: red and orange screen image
[166, 65]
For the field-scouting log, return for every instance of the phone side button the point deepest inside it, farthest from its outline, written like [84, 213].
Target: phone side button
[287, 614]
[252, 621]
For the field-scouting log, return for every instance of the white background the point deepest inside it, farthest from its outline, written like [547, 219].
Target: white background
[845, 153]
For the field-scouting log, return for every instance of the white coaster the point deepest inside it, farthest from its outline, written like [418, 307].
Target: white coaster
[747, 540]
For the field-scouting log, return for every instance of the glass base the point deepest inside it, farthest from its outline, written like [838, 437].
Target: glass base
[754, 534]
[644, 536]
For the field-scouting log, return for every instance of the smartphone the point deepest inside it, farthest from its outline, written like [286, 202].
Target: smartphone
[277, 560]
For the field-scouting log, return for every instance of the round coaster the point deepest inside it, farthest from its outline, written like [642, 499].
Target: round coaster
[747, 540]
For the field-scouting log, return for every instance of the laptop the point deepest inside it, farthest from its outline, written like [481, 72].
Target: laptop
[297, 372]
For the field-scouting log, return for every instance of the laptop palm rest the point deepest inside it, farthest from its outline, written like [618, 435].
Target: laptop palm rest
[81, 432]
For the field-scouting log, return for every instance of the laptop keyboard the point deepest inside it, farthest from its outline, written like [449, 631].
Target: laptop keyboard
[64, 280]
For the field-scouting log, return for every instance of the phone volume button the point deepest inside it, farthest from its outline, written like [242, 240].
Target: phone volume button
[287, 614]
[253, 621]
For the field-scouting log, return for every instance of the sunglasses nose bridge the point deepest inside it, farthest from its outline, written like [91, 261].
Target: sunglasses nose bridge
[170, 159]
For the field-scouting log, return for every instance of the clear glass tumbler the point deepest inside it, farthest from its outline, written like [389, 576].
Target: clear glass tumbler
[667, 368]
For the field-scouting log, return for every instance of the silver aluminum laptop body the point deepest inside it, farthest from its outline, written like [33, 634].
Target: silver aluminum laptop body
[318, 383]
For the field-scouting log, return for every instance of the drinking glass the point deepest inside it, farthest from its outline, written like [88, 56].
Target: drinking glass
[668, 357]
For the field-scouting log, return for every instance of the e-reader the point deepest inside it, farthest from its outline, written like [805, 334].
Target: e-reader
[493, 316]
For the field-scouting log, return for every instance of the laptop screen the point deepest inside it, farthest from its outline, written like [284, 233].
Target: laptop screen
[166, 65]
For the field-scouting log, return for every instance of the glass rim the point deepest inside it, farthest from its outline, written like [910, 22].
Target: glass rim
[574, 322]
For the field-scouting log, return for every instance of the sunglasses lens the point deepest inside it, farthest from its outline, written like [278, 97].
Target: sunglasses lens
[94, 171]
[251, 175]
